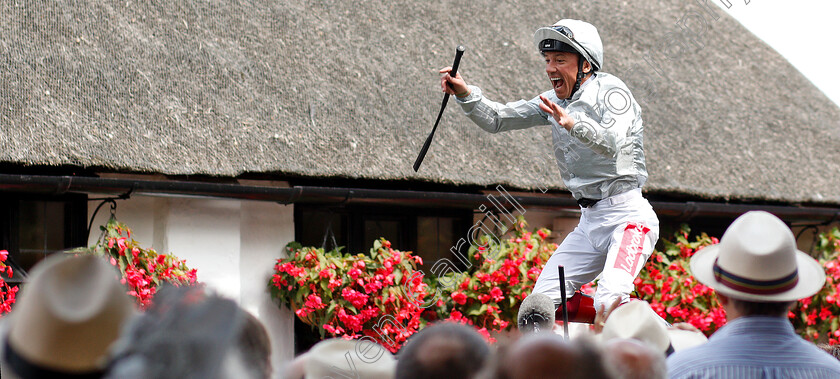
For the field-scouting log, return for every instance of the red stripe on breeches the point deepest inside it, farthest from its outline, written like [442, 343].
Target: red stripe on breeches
[631, 247]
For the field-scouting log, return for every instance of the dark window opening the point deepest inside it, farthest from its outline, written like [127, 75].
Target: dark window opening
[32, 228]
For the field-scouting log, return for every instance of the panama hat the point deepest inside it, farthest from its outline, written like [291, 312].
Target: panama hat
[637, 320]
[581, 35]
[683, 339]
[757, 260]
[67, 317]
[337, 356]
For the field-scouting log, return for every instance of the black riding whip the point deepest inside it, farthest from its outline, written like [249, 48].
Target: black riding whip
[459, 51]
[563, 302]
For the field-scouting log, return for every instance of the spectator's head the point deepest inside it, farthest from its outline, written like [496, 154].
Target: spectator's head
[66, 318]
[443, 350]
[546, 355]
[339, 358]
[255, 347]
[187, 333]
[633, 359]
[756, 268]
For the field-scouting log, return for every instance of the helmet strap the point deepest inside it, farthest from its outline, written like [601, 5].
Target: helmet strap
[580, 76]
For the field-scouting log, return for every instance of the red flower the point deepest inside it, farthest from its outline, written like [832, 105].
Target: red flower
[459, 298]
[497, 295]
[333, 330]
[356, 298]
[457, 316]
[334, 283]
[805, 302]
[486, 334]
[313, 301]
[354, 273]
[812, 318]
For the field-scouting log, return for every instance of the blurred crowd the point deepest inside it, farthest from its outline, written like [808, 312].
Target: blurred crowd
[633, 343]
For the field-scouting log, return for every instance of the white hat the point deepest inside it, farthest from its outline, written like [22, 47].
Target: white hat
[683, 339]
[337, 356]
[581, 35]
[637, 320]
[68, 315]
[757, 260]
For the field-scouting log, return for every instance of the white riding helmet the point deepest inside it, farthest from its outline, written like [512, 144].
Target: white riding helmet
[580, 35]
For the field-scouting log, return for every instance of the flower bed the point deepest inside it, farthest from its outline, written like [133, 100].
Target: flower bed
[667, 284]
[816, 318]
[7, 293]
[348, 295]
[488, 294]
[352, 295]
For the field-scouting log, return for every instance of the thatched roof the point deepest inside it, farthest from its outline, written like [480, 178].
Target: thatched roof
[350, 89]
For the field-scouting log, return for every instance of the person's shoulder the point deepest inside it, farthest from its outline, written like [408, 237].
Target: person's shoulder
[604, 86]
[700, 358]
[818, 357]
[691, 358]
[607, 81]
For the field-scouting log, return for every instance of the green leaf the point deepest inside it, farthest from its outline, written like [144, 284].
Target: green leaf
[299, 296]
[397, 276]
[122, 263]
[475, 310]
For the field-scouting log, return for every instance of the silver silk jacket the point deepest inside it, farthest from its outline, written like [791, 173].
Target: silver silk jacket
[603, 155]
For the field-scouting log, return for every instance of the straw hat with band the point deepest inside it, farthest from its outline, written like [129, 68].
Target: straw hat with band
[67, 317]
[573, 36]
[757, 260]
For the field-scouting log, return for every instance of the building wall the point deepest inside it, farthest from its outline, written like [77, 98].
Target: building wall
[233, 245]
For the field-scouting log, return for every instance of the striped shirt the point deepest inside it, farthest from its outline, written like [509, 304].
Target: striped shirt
[754, 347]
